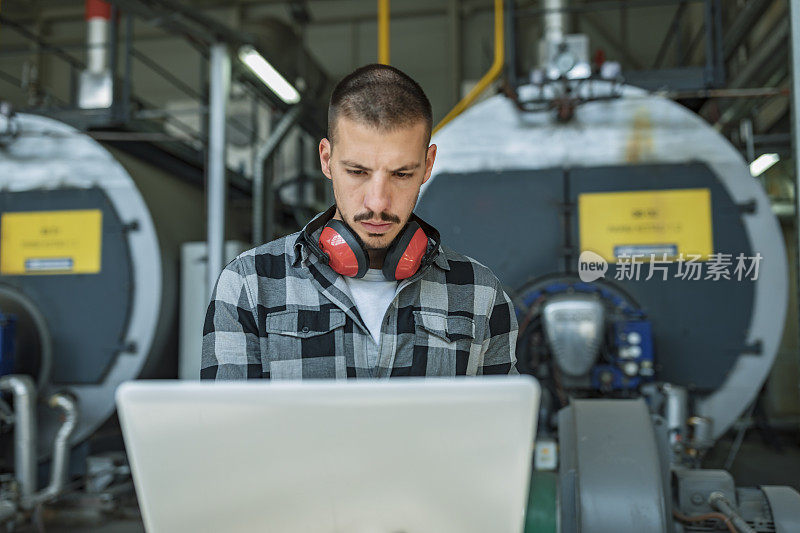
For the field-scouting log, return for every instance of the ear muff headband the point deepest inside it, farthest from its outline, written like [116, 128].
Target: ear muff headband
[404, 257]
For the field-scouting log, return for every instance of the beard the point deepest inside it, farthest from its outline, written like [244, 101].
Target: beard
[370, 215]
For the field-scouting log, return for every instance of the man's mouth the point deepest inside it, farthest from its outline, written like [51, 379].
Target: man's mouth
[376, 227]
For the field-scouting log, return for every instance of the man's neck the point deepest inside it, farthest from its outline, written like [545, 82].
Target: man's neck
[376, 258]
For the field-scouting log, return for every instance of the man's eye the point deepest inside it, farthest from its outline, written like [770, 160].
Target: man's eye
[402, 174]
[355, 172]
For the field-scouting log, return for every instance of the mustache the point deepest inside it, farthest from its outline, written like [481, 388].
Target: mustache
[369, 215]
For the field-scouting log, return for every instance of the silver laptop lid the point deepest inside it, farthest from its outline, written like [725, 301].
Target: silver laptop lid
[405, 455]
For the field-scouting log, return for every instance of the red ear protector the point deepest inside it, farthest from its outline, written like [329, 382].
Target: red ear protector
[347, 256]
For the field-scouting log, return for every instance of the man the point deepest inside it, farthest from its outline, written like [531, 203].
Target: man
[366, 289]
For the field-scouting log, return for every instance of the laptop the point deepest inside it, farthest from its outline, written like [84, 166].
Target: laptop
[408, 455]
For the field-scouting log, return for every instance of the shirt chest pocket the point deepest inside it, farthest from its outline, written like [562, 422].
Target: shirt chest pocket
[300, 334]
[445, 340]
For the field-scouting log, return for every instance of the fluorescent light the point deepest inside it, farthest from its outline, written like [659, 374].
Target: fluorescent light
[762, 163]
[267, 73]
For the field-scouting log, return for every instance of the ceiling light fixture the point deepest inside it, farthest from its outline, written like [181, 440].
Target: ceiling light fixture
[762, 163]
[267, 73]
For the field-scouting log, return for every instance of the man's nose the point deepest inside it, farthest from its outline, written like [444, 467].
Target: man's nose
[378, 196]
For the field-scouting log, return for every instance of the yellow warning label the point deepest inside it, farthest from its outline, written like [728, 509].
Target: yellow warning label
[51, 242]
[672, 221]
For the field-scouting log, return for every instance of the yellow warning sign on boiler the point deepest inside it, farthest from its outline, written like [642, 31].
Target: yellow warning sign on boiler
[670, 221]
[51, 242]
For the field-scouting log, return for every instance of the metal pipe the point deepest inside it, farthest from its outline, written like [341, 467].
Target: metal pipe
[554, 20]
[383, 31]
[610, 5]
[125, 97]
[746, 132]
[719, 502]
[60, 462]
[98, 15]
[794, 12]
[708, 22]
[493, 73]
[510, 39]
[112, 55]
[264, 153]
[18, 298]
[219, 83]
[675, 411]
[9, 127]
[755, 92]
[24, 392]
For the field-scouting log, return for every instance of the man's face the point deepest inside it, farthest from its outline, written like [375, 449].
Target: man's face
[376, 176]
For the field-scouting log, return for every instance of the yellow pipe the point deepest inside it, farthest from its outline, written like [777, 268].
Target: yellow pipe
[491, 75]
[383, 32]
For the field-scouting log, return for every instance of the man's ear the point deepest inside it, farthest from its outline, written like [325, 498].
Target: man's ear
[429, 159]
[325, 157]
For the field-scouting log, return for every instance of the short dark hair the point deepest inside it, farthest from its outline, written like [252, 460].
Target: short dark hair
[381, 96]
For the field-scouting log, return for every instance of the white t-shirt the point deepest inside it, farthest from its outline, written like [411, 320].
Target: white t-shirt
[372, 295]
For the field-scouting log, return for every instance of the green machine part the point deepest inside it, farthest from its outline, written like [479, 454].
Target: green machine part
[542, 513]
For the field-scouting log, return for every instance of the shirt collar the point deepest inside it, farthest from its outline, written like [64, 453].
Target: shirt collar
[308, 239]
[440, 260]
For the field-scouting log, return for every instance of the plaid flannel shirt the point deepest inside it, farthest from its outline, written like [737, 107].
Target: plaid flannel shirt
[278, 311]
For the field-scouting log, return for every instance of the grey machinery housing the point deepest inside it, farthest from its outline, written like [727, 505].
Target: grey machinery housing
[615, 476]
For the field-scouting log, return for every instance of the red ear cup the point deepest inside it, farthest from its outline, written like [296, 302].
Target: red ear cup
[345, 253]
[405, 255]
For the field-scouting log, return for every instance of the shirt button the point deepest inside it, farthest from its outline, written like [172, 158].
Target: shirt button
[305, 329]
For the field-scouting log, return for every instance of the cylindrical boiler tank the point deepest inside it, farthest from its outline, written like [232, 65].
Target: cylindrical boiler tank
[506, 189]
[89, 250]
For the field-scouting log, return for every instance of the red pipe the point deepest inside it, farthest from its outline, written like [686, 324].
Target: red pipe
[98, 9]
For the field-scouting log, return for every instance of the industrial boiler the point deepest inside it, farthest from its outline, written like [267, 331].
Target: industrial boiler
[650, 282]
[90, 242]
